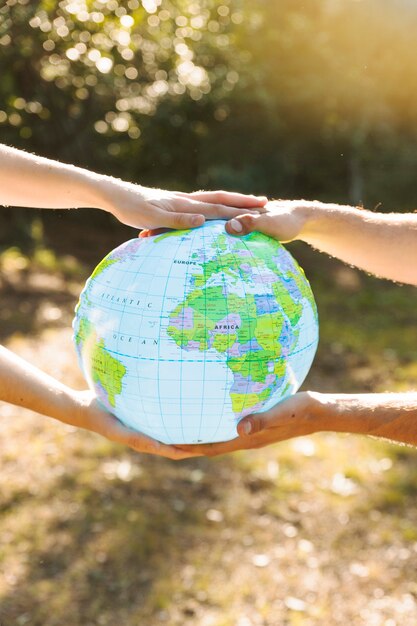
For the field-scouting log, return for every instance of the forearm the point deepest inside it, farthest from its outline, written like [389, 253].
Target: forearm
[24, 385]
[382, 244]
[31, 181]
[389, 415]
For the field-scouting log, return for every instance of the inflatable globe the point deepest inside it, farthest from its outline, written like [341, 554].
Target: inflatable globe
[182, 334]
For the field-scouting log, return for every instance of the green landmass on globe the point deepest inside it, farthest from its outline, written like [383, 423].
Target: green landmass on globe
[106, 370]
[207, 307]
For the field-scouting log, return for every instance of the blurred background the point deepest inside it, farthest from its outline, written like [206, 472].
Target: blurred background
[287, 98]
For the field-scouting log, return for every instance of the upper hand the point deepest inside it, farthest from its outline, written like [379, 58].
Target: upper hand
[294, 417]
[142, 207]
[88, 414]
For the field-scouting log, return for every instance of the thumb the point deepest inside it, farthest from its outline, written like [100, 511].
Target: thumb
[245, 224]
[251, 425]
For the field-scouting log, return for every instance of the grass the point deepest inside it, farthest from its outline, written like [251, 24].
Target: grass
[314, 531]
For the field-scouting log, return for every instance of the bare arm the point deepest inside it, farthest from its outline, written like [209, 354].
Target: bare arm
[389, 415]
[23, 385]
[31, 181]
[382, 244]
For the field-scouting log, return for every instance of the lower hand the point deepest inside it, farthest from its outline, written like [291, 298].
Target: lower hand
[142, 207]
[294, 417]
[284, 220]
[90, 415]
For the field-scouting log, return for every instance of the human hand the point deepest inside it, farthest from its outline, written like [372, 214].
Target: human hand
[142, 207]
[89, 415]
[296, 416]
[284, 220]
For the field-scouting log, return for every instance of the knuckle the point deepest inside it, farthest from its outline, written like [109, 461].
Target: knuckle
[248, 220]
[133, 442]
[179, 219]
[257, 424]
[215, 197]
[138, 443]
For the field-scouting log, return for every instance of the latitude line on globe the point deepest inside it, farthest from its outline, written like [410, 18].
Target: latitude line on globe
[201, 360]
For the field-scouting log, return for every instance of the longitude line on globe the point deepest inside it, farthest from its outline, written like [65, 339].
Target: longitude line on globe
[265, 290]
[122, 313]
[159, 344]
[248, 317]
[203, 407]
[193, 235]
[142, 318]
[219, 254]
[242, 243]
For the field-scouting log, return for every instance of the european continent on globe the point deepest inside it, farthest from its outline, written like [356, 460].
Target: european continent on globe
[182, 334]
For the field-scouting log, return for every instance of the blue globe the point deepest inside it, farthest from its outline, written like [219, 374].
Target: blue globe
[182, 334]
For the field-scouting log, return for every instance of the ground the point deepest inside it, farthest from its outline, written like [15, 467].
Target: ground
[317, 531]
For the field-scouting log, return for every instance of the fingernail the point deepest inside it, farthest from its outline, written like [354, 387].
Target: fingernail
[247, 428]
[236, 226]
[262, 198]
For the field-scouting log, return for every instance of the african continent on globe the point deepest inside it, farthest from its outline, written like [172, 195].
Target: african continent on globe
[182, 334]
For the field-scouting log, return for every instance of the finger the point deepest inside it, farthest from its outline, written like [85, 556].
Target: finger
[180, 221]
[212, 211]
[139, 442]
[147, 232]
[278, 415]
[214, 449]
[228, 198]
[245, 224]
[147, 445]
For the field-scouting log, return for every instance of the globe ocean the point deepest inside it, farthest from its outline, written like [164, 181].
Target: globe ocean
[182, 334]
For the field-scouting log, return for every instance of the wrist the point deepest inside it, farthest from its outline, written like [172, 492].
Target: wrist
[318, 411]
[320, 219]
[96, 190]
[111, 194]
[346, 413]
[63, 405]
